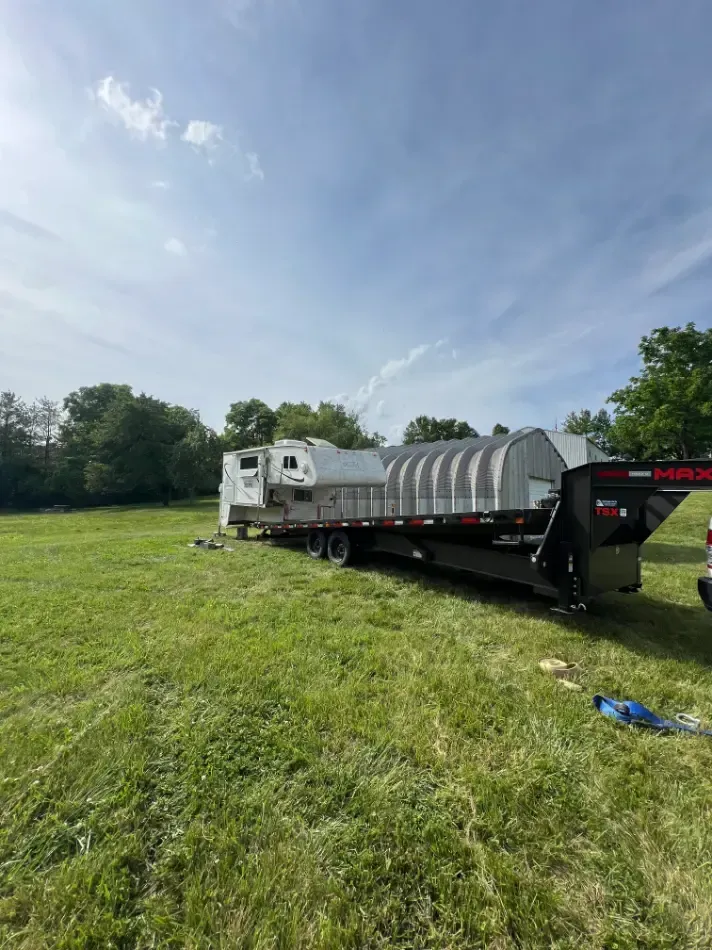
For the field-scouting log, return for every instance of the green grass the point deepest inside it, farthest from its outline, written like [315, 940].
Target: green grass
[252, 749]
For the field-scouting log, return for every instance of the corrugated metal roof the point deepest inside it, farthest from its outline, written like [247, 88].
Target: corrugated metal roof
[478, 474]
[576, 449]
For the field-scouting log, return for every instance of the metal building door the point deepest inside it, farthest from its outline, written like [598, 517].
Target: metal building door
[538, 489]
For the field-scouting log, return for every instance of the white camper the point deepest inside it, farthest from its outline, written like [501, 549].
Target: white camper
[292, 480]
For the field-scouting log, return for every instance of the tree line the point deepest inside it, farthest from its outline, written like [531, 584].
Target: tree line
[105, 444]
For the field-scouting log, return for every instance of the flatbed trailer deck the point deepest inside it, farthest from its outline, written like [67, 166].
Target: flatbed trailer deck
[585, 542]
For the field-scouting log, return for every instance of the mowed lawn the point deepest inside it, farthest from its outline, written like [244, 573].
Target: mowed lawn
[252, 749]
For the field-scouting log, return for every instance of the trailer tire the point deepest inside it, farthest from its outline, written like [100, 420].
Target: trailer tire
[316, 545]
[340, 549]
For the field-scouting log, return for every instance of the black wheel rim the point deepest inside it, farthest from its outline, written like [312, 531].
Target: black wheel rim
[339, 550]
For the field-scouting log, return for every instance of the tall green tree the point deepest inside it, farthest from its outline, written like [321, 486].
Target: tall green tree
[83, 411]
[47, 419]
[430, 429]
[249, 424]
[499, 429]
[133, 445]
[330, 421]
[14, 425]
[15, 447]
[195, 460]
[666, 411]
[596, 426]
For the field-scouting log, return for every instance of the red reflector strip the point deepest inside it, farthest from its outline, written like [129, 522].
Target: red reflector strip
[614, 473]
[519, 520]
[469, 521]
[388, 524]
[417, 522]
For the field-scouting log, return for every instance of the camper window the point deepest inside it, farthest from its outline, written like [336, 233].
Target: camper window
[302, 494]
[289, 461]
[248, 461]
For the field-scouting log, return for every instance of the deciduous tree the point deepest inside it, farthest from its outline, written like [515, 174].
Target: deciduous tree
[249, 424]
[330, 421]
[596, 426]
[430, 429]
[666, 411]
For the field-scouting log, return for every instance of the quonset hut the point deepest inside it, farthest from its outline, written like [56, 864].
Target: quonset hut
[489, 473]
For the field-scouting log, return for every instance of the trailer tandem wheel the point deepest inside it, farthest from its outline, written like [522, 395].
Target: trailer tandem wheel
[340, 548]
[316, 545]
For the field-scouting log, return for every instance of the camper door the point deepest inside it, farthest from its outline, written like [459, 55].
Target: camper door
[249, 471]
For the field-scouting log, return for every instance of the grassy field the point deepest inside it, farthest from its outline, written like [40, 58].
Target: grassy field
[252, 749]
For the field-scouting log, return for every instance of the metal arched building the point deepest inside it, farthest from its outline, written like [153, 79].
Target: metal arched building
[485, 474]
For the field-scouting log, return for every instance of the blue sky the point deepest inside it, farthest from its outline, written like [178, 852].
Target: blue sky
[468, 208]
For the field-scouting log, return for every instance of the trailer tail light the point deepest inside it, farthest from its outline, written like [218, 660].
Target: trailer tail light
[469, 520]
[709, 548]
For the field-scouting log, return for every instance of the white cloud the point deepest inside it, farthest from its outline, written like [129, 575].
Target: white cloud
[174, 246]
[202, 134]
[454, 354]
[381, 408]
[143, 119]
[254, 167]
[389, 372]
[160, 185]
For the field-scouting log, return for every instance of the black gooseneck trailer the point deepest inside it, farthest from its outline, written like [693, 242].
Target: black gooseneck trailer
[584, 541]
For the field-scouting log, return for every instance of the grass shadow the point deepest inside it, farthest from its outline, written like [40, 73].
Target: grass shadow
[641, 622]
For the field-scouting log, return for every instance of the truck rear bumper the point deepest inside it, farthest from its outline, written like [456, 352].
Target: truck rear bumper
[704, 588]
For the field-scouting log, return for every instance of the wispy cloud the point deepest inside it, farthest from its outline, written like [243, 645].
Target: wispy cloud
[390, 372]
[254, 169]
[23, 226]
[202, 134]
[160, 185]
[175, 246]
[395, 433]
[667, 268]
[143, 119]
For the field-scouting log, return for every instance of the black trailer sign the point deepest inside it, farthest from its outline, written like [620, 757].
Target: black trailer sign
[661, 474]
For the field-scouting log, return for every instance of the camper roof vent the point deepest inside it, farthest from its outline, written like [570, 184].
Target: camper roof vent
[320, 443]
